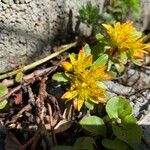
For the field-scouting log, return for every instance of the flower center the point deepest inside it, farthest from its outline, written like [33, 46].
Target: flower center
[84, 85]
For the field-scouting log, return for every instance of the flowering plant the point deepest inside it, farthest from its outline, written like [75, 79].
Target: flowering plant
[125, 40]
[86, 74]
[122, 43]
[86, 80]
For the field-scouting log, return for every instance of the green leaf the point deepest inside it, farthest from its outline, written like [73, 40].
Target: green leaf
[3, 92]
[128, 131]
[138, 34]
[89, 104]
[110, 63]
[94, 125]
[102, 60]
[102, 85]
[63, 148]
[129, 120]
[89, 14]
[108, 17]
[87, 50]
[60, 77]
[84, 143]
[115, 144]
[135, 7]
[3, 103]
[137, 62]
[119, 67]
[118, 107]
[19, 76]
[99, 36]
[123, 57]
[96, 50]
[126, 128]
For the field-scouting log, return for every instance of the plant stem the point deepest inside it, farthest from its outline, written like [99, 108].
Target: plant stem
[39, 62]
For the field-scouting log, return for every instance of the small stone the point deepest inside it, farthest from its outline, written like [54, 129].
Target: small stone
[4, 7]
[148, 95]
[16, 1]
[7, 1]
[14, 7]
[132, 104]
[27, 1]
[22, 40]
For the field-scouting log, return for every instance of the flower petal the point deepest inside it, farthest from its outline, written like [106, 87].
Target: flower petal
[81, 55]
[80, 103]
[69, 95]
[67, 66]
[72, 58]
[107, 26]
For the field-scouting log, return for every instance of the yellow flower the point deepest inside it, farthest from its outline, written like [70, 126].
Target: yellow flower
[67, 66]
[125, 38]
[78, 65]
[82, 89]
[84, 80]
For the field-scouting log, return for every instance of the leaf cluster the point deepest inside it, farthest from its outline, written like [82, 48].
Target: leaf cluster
[113, 11]
[118, 10]
[89, 14]
[84, 90]
[3, 92]
[118, 129]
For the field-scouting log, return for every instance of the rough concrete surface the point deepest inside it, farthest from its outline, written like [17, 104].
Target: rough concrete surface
[28, 27]
[145, 17]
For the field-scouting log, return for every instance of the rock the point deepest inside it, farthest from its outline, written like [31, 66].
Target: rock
[145, 14]
[6, 1]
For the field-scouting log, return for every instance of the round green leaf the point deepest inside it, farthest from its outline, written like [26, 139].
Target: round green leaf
[3, 103]
[3, 90]
[102, 60]
[118, 107]
[102, 85]
[99, 36]
[123, 58]
[128, 132]
[110, 63]
[60, 77]
[115, 144]
[84, 143]
[137, 62]
[129, 120]
[87, 50]
[94, 125]
[89, 104]
[19, 76]
[120, 67]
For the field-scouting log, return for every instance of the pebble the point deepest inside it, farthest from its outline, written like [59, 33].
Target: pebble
[7, 1]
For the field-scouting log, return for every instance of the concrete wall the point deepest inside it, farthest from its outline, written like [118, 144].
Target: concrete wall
[28, 27]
